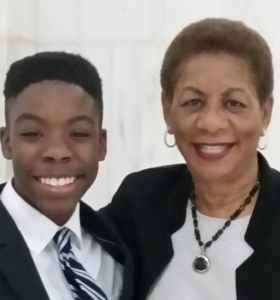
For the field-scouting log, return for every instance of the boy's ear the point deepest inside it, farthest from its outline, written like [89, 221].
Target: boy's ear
[5, 143]
[102, 144]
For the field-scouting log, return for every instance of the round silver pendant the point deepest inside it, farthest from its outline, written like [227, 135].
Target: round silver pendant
[201, 264]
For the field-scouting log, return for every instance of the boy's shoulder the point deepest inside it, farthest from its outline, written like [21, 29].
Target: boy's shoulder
[153, 185]
[158, 175]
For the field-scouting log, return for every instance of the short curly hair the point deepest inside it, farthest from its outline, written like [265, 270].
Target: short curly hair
[219, 35]
[53, 65]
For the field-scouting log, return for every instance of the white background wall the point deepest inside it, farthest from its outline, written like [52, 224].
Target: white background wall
[126, 40]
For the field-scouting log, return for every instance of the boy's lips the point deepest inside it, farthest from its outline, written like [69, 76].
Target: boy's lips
[58, 186]
[60, 181]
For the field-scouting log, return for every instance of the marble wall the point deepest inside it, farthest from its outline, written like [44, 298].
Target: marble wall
[126, 40]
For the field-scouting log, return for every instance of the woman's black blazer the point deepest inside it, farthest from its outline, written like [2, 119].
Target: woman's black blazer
[150, 206]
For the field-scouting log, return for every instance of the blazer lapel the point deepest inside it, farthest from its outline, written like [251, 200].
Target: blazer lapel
[156, 233]
[263, 236]
[267, 206]
[16, 263]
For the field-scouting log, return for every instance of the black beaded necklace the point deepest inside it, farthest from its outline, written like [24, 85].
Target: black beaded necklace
[202, 263]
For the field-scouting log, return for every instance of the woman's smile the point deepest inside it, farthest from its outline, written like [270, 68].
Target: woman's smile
[213, 151]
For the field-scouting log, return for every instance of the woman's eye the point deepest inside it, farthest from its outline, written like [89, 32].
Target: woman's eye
[235, 104]
[193, 103]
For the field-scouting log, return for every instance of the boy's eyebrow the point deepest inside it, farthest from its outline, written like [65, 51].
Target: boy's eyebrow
[81, 118]
[27, 116]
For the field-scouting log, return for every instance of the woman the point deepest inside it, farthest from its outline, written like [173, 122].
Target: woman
[210, 228]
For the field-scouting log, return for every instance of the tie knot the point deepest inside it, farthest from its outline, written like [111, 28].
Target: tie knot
[62, 236]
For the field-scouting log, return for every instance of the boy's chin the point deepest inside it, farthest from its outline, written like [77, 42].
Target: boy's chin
[59, 212]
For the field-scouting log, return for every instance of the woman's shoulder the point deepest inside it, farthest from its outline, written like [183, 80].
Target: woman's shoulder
[267, 173]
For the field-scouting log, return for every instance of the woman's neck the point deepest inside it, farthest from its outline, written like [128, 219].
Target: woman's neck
[221, 198]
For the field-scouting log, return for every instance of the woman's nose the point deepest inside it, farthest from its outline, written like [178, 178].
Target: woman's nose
[212, 119]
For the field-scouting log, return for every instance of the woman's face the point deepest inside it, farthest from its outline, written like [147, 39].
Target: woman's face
[215, 115]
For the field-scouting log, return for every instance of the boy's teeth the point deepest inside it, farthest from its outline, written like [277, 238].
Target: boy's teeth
[212, 149]
[57, 181]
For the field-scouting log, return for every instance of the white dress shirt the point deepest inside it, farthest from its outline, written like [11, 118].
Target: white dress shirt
[38, 232]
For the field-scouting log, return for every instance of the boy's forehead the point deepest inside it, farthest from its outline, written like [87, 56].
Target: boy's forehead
[43, 85]
[53, 97]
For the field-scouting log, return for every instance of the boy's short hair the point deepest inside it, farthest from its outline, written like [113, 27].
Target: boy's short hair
[219, 35]
[63, 66]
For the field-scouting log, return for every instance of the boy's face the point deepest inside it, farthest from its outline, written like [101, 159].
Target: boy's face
[55, 142]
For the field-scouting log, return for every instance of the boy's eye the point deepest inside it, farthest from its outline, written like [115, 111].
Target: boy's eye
[79, 134]
[31, 134]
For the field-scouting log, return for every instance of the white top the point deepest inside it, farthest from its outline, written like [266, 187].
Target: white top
[38, 232]
[179, 280]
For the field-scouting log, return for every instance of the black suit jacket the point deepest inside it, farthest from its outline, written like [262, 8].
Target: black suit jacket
[151, 205]
[19, 279]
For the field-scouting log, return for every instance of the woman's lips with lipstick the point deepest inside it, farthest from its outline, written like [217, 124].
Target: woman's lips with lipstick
[212, 151]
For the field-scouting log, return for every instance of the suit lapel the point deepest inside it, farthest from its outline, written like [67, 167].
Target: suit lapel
[101, 232]
[111, 242]
[16, 263]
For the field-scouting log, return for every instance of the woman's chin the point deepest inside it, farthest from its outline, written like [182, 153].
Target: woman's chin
[213, 174]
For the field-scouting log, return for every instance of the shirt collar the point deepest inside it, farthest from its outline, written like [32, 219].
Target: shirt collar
[37, 230]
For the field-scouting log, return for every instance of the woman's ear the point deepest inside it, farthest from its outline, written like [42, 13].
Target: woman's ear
[5, 142]
[166, 108]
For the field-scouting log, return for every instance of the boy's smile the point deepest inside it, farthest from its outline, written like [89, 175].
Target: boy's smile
[55, 141]
[57, 181]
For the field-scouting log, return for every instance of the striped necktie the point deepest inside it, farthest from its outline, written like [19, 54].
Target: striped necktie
[81, 283]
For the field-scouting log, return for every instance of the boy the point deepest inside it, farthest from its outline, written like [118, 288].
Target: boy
[52, 246]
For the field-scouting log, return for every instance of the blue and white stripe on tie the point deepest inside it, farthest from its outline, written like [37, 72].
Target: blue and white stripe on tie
[81, 283]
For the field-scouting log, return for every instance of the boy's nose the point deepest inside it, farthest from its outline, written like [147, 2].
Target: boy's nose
[57, 150]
